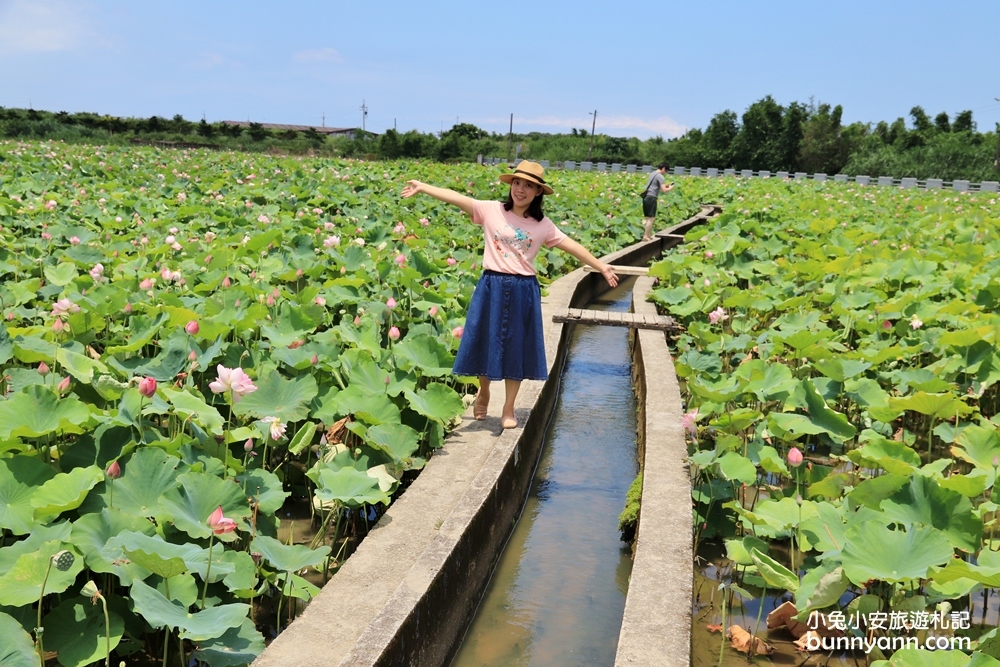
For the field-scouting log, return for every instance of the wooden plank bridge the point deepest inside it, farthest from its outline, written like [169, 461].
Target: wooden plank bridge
[616, 319]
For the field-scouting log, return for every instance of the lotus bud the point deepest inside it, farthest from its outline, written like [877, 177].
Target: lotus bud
[192, 355]
[248, 445]
[314, 360]
[226, 282]
[391, 303]
[794, 457]
[128, 309]
[114, 470]
[400, 259]
[457, 332]
[58, 325]
[63, 385]
[452, 261]
[147, 386]
[394, 333]
[192, 327]
[237, 304]
[43, 368]
[434, 311]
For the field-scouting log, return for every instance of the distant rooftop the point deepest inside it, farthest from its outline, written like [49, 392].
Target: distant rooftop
[346, 131]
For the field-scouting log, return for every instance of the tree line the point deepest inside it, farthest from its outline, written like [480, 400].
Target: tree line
[767, 136]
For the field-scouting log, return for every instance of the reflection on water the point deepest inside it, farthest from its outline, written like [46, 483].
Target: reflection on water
[558, 593]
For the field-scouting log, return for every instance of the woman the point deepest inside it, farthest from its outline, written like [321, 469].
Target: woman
[503, 329]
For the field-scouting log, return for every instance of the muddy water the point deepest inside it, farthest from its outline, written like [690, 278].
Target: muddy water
[558, 593]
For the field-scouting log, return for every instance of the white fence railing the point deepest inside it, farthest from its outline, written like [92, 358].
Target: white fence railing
[712, 172]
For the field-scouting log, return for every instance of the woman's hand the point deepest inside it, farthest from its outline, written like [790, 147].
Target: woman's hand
[609, 274]
[412, 188]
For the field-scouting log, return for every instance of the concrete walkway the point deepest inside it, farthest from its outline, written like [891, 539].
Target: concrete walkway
[407, 594]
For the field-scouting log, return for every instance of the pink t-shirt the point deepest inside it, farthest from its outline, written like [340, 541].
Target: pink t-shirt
[512, 242]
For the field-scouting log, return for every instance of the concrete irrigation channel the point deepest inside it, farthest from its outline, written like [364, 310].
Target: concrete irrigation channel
[407, 595]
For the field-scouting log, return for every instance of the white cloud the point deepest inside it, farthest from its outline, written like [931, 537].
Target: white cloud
[324, 55]
[41, 26]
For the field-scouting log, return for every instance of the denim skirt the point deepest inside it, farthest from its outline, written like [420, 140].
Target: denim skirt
[503, 337]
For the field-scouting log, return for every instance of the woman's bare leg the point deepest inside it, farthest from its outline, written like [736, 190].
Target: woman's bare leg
[482, 399]
[648, 234]
[507, 419]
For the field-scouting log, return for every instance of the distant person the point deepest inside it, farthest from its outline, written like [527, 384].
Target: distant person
[651, 195]
[502, 339]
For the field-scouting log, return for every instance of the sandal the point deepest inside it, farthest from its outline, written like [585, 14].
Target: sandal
[478, 410]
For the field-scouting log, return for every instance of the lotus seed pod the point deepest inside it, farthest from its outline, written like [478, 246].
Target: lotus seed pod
[63, 560]
[89, 589]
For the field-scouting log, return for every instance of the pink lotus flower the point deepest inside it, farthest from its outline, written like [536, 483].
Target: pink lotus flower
[43, 368]
[46, 236]
[400, 259]
[58, 326]
[97, 271]
[74, 240]
[425, 222]
[219, 523]
[718, 315]
[234, 380]
[276, 428]
[452, 261]
[457, 332]
[399, 228]
[688, 421]
[319, 301]
[394, 333]
[915, 323]
[146, 284]
[263, 218]
[391, 303]
[794, 457]
[886, 324]
[709, 254]
[50, 205]
[192, 327]
[170, 239]
[707, 282]
[147, 386]
[114, 470]
[64, 307]
[434, 311]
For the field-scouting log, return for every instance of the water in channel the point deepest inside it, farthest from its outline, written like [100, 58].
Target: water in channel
[557, 595]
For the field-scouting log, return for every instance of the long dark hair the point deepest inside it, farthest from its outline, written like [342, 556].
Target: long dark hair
[534, 208]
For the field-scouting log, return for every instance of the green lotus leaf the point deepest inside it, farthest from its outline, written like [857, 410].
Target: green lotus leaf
[152, 553]
[65, 491]
[957, 569]
[425, 353]
[792, 424]
[771, 461]
[92, 532]
[979, 445]
[39, 411]
[62, 274]
[189, 406]
[199, 626]
[739, 550]
[183, 588]
[438, 402]
[784, 513]
[893, 457]
[141, 331]
[821, 587]
[59, 532]
[397, 440]
[774, 573]
[873, 551]
[79, 365]
[924, 501]
[235, 648]
[918, 657]
[76, 630]
[22, 583]
[833, 423]
[971, 485]
[6, 345]
[370, 408]
[264, 488]
[841, 369]
[350, 487]
[872, 492]
[243, 578]
[17, 486]
[295, 586]
[17, 649]
[939, 406]
[364, 337]
[734, 466]
[146, 476]
[286, 399]
[288, 557]
[199, 494]
[302, 439]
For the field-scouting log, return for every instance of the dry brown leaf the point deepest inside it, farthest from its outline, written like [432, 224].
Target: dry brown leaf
[744, 642]
[335, 434]
[811, 637]
[713, 628]
[785, 616]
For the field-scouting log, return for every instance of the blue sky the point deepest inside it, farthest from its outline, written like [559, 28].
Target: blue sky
[648, 68]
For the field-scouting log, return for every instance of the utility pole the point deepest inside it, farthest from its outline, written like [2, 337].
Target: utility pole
[996, 157]
[510, 137]
[364, 115]
[592, 127]
[324, 119]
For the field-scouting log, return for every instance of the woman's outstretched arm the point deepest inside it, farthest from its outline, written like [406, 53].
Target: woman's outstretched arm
[585, 256]
[444, 194]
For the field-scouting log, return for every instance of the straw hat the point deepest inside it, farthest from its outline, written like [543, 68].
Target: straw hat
[529, 171]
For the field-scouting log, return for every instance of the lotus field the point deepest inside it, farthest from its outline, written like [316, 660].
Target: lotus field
[841, 367]
[196, 343]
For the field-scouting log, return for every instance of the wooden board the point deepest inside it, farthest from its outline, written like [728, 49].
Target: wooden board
[616, 319]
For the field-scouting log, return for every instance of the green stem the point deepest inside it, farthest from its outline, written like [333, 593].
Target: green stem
[39, 630]
[107, 634]
[208, 570]
[722, 646]
[166, 645]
